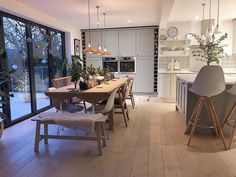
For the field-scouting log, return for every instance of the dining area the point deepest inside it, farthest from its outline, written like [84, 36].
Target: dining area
[93, 110]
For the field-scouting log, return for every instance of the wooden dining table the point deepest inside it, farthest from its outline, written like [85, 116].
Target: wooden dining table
[93, 95]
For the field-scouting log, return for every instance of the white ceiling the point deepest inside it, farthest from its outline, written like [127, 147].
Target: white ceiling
[187, 10]
[138, 12]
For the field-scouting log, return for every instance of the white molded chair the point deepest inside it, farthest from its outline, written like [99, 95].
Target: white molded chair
[209, 82]
[227, 120]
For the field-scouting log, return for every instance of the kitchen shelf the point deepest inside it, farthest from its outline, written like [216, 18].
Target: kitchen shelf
[174, 53]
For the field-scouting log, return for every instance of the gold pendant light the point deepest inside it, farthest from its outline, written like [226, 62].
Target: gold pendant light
[105, 51]
[89, 49]
[99, 50]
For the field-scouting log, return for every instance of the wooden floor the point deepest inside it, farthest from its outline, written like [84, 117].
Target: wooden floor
[153, 145]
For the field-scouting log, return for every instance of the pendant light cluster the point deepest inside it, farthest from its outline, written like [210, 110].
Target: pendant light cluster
[217, 27]
[99, 50]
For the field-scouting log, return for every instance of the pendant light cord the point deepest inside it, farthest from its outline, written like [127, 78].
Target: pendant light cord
[218, 13]
[209, 17]
[89, 18]
[104, 24]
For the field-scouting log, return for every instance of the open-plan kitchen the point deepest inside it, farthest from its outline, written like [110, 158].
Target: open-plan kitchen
[129, 88]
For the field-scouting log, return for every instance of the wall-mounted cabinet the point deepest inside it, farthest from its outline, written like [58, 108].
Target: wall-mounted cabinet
[145, 42]
[110, 37]
[127, 43]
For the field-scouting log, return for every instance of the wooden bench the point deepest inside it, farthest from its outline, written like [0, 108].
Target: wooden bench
[99, 127]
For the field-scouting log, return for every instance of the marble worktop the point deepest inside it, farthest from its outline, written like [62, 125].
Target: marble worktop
[189, 78]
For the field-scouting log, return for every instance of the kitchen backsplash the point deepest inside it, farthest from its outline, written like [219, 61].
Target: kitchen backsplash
[184, 62]
[229, 62]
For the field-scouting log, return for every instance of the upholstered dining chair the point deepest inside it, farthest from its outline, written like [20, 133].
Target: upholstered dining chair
[208, 83]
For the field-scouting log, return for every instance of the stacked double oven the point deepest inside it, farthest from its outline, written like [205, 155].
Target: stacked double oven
[122, 65]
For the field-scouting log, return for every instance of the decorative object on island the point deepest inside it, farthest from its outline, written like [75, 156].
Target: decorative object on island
[76, 47]
[89, 49]
[210, 49]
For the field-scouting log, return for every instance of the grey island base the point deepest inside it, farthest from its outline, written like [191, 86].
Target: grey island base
[186, 102]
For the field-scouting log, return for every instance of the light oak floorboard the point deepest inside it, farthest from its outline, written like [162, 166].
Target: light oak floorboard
[153, 145]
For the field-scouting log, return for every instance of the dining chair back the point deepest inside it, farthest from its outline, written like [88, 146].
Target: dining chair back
[110, 102]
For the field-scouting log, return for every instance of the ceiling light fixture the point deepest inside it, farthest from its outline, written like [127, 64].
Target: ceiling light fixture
[209, 32]
[89, 49]
[217, 28]
[105, 51]
[203, 18]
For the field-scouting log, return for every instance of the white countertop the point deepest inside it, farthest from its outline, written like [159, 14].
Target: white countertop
[189, 78]
[162, 71]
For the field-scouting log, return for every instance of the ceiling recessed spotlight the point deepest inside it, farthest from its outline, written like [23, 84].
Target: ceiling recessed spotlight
[128, 21]
[196, 17]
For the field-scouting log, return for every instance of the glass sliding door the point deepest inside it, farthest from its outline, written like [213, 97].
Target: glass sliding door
[56, 54]
[17, 58]
[41, 70]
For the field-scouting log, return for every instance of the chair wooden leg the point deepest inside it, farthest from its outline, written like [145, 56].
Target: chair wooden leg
[102, 127]
[192, 116]
[46, 133]
[98, 135]
[228, 115]
[127, 112]
[218, 124]
[85, 109]
[232, 136]
[196, 119]
[123, 112]
[37, 137]
[132, 100]
[212, 117]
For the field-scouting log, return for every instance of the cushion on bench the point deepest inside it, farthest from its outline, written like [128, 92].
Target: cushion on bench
[72, 120]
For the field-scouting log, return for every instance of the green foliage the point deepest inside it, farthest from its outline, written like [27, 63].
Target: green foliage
[91, 70]
[74, 69]
[210, 50]
[4, 98]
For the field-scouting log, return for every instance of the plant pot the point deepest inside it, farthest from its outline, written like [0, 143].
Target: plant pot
[1, 128]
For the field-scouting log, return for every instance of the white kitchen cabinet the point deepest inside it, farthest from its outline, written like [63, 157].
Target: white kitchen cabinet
[127, 43]
[110, 37]
[167, 86]
[145, 42]
[164, 85]
[173, 86]
[95, 62]
[144, 75]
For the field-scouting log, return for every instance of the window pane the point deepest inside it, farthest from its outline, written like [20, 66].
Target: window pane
[17, 58]
[40, 57]
[56, 54]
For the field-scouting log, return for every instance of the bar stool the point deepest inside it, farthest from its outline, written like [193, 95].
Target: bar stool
[227, 120]
[209, 82]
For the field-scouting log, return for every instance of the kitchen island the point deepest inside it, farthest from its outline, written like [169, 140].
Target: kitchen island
[186, 101]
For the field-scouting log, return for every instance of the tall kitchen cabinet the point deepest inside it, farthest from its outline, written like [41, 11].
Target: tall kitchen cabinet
[145, 60]
[127, 42]
[110, 40]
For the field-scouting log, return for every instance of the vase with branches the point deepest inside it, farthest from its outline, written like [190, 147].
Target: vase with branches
[209, 50]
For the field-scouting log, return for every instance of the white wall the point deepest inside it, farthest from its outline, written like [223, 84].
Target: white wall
[18, 8]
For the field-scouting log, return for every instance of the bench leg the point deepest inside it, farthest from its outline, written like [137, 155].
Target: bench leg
[102, 127]
[37, 137]
[98, 135]
[46, 133]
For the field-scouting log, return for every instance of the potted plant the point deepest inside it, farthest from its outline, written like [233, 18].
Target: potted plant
[74, 69]
[4, 98]
[210, 50]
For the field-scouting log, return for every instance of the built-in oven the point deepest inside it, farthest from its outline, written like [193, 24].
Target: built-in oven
[127, 64]
[110, 63]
